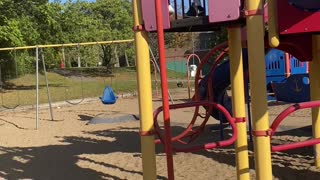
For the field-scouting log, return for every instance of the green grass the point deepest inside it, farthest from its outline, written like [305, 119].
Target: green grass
[22, 90]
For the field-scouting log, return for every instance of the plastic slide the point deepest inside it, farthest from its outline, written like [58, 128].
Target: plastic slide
[220, 83]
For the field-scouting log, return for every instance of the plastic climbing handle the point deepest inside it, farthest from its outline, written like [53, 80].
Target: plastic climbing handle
[286, 113]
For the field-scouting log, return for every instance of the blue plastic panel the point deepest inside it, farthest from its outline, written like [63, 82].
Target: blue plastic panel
[275, 63]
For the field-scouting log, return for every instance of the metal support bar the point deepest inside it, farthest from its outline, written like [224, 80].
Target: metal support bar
[164, 88]
[145, 95]
[37, 87]
[257, 71]
[315, 93]
[47, 84]
[238, 102]
[66, 45]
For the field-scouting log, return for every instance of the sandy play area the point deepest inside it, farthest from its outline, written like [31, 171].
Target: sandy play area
[68, 148]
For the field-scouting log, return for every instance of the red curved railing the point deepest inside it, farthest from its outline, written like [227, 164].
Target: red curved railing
[282, 116]
[212, 145]
[189, 132]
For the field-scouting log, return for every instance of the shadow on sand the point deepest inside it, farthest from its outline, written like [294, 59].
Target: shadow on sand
[60, 161]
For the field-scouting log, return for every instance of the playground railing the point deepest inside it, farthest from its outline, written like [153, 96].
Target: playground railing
[212, 145]
[282, 116]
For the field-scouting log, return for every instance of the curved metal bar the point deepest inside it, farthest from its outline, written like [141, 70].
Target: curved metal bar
[75, 103]
[189, 132]
[82, 94]
[282, 116]
[208, 145]
[188, 72]
[13, 107]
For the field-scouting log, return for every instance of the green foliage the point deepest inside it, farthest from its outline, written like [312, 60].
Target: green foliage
[218, 37]
[31, 22]
[25, 63]
[178, 40]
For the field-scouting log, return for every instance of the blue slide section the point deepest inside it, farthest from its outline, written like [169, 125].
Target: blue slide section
[220, 83]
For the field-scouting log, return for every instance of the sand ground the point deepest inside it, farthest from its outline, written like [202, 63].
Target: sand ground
[69, 148]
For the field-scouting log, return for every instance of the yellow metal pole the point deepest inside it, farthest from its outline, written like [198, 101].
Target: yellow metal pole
[145, 96]
[238, 101]
[273, 24]
[67, 45]
[315, 93]
[257, 72]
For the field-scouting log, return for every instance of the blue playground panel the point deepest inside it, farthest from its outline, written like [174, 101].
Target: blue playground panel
[298, 67]
[295, 89]
[275, 63]
[276, 71]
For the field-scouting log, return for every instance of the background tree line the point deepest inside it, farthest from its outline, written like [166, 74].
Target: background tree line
[32, 22]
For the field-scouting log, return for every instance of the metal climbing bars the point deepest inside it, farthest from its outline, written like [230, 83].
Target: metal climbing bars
[271, 132]
[178, 138]
[191, 132]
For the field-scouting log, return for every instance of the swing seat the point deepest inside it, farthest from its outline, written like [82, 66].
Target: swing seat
[108, 96]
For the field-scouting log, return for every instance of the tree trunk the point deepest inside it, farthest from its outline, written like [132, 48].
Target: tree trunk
[117, 63]
[127, 61]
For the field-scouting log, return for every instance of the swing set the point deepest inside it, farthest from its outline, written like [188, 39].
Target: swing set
[109, 98]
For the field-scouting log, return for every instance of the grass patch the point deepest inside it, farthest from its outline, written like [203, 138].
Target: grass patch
[70, 85]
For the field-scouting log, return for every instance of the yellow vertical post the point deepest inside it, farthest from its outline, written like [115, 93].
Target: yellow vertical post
[145, 95]
[273, 24]
[257, 72]
[238, 101]
[315, 93]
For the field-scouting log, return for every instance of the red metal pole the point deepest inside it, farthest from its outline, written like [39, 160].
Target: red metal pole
[164, 88]
[288, 64]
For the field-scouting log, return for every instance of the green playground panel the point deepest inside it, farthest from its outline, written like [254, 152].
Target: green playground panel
[181, 67]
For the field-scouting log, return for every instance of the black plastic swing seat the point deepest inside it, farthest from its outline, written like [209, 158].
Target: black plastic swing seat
[108, 96]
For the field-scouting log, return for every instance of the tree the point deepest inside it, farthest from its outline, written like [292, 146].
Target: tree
[31, 22]
[115, 23]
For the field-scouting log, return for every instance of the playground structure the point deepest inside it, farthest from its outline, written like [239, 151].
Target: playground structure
[283, 72]
[292, 27]
[286, 76]
[108, 96]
